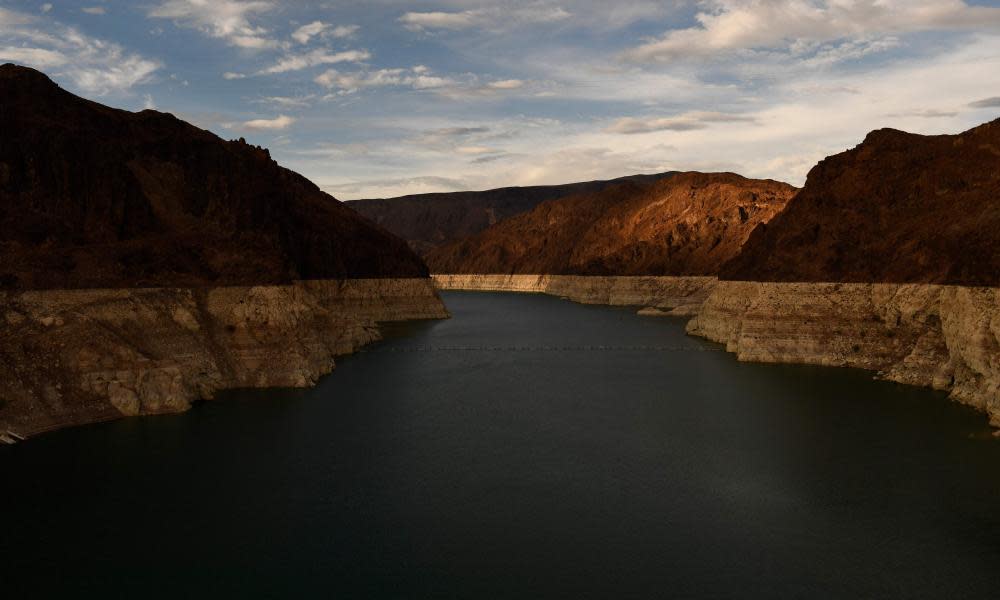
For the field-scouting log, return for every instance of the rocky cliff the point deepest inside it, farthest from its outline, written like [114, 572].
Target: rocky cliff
[77, 356]
[858, 257]
[688, 224]
[146, 264]
[678, 296]
[899, 208]
[428, 221]
[944, 337]
[884, 222]
[91, 196]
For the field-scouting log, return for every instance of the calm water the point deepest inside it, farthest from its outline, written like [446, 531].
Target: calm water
[528, 447]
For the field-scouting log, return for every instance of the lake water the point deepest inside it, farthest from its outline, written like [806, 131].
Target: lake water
[528, 447]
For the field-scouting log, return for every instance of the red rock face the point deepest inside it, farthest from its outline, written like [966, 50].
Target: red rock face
[687, 224]
[899, 208]
[92, 196]
[428, 221]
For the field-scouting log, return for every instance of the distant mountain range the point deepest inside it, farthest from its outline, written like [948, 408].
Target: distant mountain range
[428, 221]
[686, 224]
[898, 208]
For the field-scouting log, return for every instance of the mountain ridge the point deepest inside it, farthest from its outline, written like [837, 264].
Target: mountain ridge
[428, 221]
[898, 208]
[687, 224]
[94, 196]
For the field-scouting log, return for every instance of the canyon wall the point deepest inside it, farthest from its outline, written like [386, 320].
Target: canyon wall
[943, 337]
[680, 295]
[69, 357]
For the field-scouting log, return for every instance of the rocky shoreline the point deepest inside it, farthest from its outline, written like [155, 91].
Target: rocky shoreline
[70, 357]
[679, 295]
[943, 337]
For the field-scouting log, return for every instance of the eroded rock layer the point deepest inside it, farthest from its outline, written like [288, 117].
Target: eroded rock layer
[943, 337]
[681, 295]
[69, 357]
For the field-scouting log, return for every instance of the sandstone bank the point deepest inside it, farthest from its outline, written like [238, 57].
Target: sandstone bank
[69, 357]
[668, 293]
[943, 337]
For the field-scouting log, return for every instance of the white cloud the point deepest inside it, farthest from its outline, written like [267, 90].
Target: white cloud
[344, 31]
[46, 7]
[276, 124]
[438, 20]
[926, 113]
[9, 18]
[148, 102]
[40, 58]
[776, 131]
[986, 103]
[385, 188]
[476, 150]
[305, 33]
[799, 26]
[446, 136]
[115, 72]
[94, 10]
[287, 101]
[685, 122]
[230, 75]
[418, 78]
[506, 84]
[457, 87]
[485, 18]
[228, 20]
[321, 56]
[93, 65]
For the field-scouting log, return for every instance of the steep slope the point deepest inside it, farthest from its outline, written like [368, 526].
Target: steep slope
[899, 208]
[850, 273]
[146, 264]
[688, 224]
[91, 196]
[428, 221]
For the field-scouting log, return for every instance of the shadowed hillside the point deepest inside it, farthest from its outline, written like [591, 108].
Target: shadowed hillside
[899, 208]
[92, 196]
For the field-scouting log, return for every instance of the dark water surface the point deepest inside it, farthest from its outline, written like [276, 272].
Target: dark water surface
[528, 447]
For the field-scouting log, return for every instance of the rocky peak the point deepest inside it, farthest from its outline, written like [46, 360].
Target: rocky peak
[898, 208]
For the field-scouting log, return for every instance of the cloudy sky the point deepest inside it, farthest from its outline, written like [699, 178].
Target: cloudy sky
[386, 97]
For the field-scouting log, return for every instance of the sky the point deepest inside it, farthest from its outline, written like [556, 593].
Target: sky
[380, 98]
